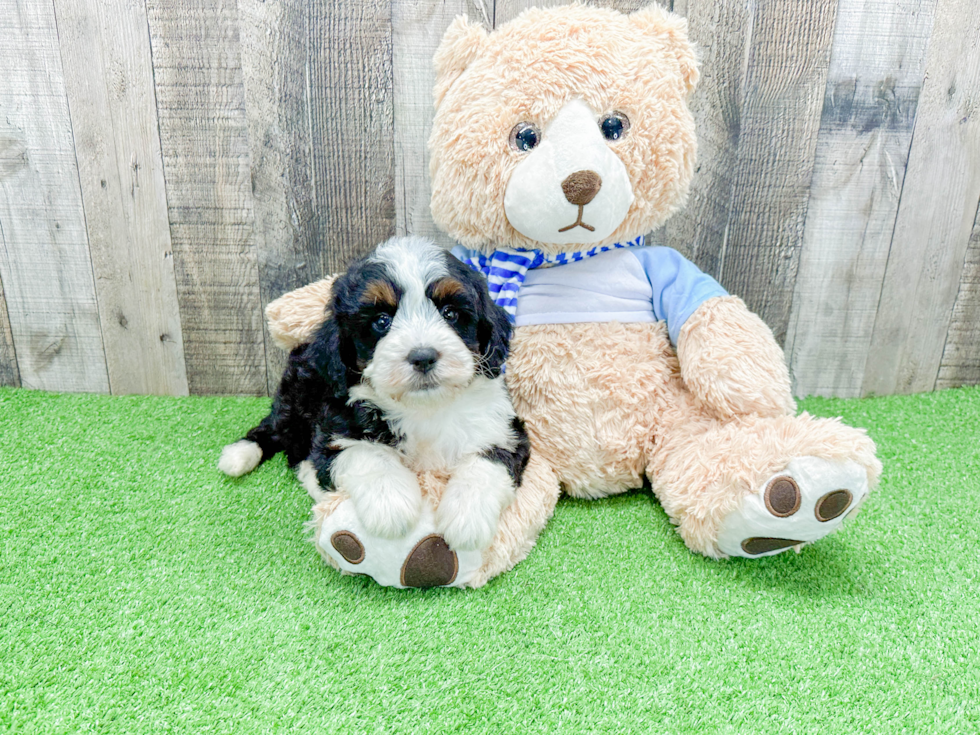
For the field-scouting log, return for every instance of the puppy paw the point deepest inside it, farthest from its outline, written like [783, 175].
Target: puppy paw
[240, 458]
[470, 508]
[385, 493]
[805, 502]
[388, 507]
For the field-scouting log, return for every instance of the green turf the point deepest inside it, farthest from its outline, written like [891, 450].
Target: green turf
[140, 591]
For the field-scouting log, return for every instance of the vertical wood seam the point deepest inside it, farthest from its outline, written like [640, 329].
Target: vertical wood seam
[5, 324]
[952, 308]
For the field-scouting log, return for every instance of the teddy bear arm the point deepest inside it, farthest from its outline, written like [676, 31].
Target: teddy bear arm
[731, 362]
[295, 316]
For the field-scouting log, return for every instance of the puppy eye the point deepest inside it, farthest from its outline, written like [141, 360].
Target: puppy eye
[614, 125]
[449, 314]
[381, 323]
[524, 137]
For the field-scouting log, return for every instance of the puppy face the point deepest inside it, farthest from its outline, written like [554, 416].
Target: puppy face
[415, 324]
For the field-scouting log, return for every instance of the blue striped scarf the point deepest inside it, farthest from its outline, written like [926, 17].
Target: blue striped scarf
[507, 268]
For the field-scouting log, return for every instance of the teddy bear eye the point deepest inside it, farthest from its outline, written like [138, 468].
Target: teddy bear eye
[614, 125]
[524, 137]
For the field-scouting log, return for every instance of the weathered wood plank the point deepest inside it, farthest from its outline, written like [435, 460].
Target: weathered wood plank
[318, 86]
[786, 73]
[873, 86]
[105, 49]
[417, 29]
[45, 264]
[961, 355]
[204, 141]
[720, 30]
[936, 214]
[9, 374]
[275, 38]
[352, 136]
[505, 10]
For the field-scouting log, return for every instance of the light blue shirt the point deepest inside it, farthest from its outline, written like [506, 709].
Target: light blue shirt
[639, 284]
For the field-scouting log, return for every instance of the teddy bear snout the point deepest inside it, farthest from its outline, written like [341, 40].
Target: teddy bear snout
[581, 187]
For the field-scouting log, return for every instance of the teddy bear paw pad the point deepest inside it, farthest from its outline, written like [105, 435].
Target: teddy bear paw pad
[430, 564]
[805, 502]
[348, 546]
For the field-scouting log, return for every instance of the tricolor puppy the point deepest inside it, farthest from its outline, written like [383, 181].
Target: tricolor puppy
[405, 375]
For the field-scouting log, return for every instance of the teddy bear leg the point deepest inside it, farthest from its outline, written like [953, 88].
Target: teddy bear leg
[422, 558]
[756, 486]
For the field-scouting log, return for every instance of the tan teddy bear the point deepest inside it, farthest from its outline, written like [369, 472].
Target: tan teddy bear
[559, 140]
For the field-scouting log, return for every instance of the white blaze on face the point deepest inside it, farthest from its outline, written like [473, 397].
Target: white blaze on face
[417, 325]
[535, 203]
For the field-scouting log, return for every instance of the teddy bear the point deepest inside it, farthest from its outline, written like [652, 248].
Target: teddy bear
[559, 141]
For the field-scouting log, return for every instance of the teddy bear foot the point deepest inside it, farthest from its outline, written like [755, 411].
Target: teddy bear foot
[805, 502]
[421, 558]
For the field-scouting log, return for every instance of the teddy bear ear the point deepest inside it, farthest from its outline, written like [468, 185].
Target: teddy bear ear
[670, 29]
[461, 44]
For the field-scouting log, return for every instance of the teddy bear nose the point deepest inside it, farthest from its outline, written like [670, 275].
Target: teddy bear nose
[581, 187]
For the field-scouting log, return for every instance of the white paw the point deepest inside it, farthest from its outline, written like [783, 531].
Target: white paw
[470, 508]
[805, 502]
[241, 457]
[385, 493]
[388, 508]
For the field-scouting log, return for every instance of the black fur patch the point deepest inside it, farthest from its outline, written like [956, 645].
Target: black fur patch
[483, 326]
[514, 461]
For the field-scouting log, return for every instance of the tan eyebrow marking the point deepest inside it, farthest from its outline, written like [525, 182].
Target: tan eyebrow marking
[447, 287]
[380, 292]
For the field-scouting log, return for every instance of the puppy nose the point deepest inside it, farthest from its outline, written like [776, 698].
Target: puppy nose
[581, 187]
[423, 359]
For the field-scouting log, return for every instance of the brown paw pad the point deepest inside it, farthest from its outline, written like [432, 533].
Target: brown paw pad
[783, 496]
[832, 505]
[348, 546]
[761, 544]
[431, 564]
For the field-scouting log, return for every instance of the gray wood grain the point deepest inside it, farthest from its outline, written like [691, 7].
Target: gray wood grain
[786, 73]
[961, 355]
[417, 29]
[720, 30]
[936, 214]
[351, 119]
[275, 38]
[45, 264]
[9, 374]
[105, 48]
[873, 86]
[505, 10]
[204, 140]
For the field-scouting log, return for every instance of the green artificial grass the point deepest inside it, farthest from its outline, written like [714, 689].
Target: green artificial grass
[141, 591]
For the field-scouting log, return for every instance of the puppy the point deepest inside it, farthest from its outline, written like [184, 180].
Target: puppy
[405, 375]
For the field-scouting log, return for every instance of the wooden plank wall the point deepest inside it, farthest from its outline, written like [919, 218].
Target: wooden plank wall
[45, 262]
[168, 168]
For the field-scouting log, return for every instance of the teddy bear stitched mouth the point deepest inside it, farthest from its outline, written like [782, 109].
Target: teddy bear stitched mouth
[580, 188]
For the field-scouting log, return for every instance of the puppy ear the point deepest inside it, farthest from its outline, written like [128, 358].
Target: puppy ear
[325, 352]
[461, 44]
[493, 332]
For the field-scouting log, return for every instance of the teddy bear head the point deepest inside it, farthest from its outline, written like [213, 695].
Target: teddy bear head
[566, 127]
